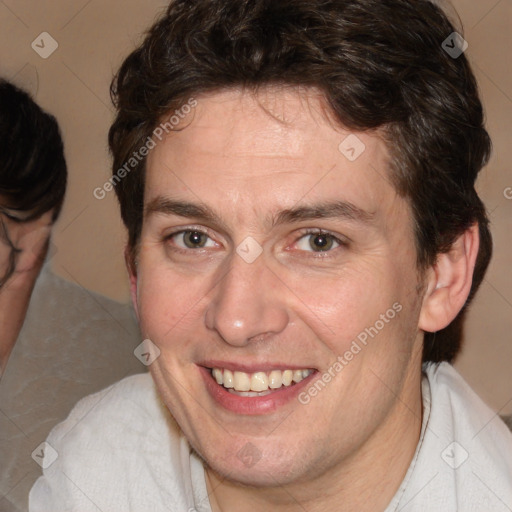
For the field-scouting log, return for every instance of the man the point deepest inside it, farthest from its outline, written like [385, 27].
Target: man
[33, 178]
[73, 342]
[297, 180]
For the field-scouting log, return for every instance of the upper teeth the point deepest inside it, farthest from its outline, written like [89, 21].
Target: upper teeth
[259, 381]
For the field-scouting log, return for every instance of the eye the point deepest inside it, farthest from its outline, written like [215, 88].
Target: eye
[10, 216]
[191, 239]
[318, 242]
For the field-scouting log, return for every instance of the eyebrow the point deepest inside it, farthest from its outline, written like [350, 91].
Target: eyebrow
[324, 210]
[168, 206]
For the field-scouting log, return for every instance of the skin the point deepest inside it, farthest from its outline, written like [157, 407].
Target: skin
[248, 157]
[31, 238]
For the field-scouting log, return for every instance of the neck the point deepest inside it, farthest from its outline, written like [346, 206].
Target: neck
[366, 481]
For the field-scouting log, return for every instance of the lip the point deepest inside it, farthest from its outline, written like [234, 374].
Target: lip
[252, 406]
[252, 367]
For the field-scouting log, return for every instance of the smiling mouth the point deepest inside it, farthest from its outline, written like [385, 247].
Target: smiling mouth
[258, 383]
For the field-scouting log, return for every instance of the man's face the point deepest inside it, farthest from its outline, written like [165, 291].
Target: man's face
[23, 247]
[337, 260]
[23, 244]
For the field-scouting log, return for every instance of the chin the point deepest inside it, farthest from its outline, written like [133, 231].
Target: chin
[248, 466]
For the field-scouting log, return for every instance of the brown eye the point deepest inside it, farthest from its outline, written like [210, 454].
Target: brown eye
[194, 239]
[318, 242]
[321, 242]
[187, 239]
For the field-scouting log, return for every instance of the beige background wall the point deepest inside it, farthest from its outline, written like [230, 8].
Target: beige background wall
[93, 36]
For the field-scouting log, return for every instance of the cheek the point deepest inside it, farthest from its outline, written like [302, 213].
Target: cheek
[167, 302]
[341, 306]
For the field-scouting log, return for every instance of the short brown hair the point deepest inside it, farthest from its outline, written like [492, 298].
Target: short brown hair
[379, 64]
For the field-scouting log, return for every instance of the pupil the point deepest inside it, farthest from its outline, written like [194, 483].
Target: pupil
[194, 239]
[321, 242]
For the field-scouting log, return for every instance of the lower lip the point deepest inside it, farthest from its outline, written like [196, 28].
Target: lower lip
[252, 405]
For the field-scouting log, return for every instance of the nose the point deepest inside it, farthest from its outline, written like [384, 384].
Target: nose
[248, 304]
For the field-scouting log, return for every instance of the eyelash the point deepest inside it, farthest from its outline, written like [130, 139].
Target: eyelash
[168, 238]
[304, 233]
[322, 254]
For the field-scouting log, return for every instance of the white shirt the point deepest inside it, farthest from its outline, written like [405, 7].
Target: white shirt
[121, 451]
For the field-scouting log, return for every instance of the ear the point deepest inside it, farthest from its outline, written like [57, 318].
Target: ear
[449, 282]
[131, 266]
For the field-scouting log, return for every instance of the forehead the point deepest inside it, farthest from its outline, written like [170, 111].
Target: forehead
[278, 144]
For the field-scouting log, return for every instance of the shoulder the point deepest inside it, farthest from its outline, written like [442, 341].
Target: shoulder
[119, 411]
[116, 449]
[467, 447]
[469, 412]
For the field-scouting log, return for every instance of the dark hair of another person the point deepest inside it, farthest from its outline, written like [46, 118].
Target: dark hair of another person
[379, 64]
[33, 171]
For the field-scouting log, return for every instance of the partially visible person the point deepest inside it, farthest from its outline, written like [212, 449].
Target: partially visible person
[61, 341]
[33, 178]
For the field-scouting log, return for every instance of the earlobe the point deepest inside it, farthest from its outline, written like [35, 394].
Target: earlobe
[449, 282]
[131, 266]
